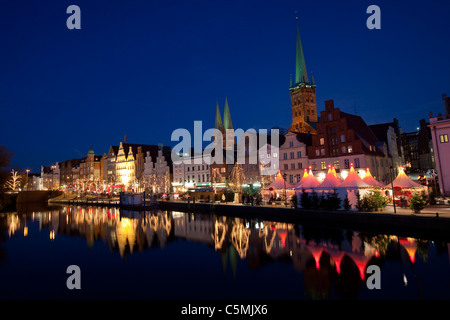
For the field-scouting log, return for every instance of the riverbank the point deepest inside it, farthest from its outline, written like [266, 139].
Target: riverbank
[403, 222]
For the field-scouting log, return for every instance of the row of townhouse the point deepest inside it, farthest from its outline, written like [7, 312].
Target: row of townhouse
[131, 166]
[339, 139]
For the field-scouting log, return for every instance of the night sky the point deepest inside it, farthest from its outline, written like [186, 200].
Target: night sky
[145, 68]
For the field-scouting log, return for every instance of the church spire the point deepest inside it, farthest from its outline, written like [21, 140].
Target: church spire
[226, 116]
[218, 121]
[301, 75]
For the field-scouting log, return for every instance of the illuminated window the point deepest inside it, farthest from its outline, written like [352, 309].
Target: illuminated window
[350, 149]
[223, 170]
[275, 155]
[443, 138]
[336, 164]
[323, 165]
[322, 141]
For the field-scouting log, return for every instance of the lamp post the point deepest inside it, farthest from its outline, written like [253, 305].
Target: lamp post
[392, 186]
[28, 170]
[434, 180]
[285, 199]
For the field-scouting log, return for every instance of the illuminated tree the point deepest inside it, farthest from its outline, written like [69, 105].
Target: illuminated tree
[237, 178]
[14, 181]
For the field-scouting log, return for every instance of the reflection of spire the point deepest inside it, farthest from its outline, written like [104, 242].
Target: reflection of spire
[224, 258]
[233, 260]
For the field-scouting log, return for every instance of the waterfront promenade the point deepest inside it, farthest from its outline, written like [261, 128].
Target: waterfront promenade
[426, 224]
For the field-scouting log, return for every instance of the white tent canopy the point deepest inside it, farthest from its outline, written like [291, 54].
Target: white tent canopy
[403, 181]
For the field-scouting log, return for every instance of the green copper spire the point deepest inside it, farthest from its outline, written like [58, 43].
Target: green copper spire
[301, 75]
[218, 121]
[313, 83]
[226, 116]
[290, 81]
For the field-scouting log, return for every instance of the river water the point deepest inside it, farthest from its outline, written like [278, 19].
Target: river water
[176, 255]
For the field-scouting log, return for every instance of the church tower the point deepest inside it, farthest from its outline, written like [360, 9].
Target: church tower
[303, 95]
[228, 141]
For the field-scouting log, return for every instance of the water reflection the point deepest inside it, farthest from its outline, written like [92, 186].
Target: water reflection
[332, 261]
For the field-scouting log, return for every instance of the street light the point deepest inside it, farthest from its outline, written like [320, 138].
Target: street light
[28, 170]
[285, 199]
[392, 186]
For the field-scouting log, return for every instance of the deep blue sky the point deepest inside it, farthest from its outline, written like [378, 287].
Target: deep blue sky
[145, 68]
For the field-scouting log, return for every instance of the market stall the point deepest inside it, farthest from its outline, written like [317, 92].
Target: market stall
[277, 189]
[351, 186]
[404, 188]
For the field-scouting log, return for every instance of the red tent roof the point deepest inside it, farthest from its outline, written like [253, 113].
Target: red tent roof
[279, 183]
[331, 180]
[308, 181]
[369, 179]
[353, 180]
[403, 181]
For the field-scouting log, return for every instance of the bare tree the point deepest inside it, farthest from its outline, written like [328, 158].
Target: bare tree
[14, 181]
[237, 178]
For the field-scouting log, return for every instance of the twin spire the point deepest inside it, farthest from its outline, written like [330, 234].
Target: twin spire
[226, 124]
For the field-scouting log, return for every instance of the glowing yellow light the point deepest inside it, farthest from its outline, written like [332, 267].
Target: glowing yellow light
[321, 176]
[25, 231]
[344, 174]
